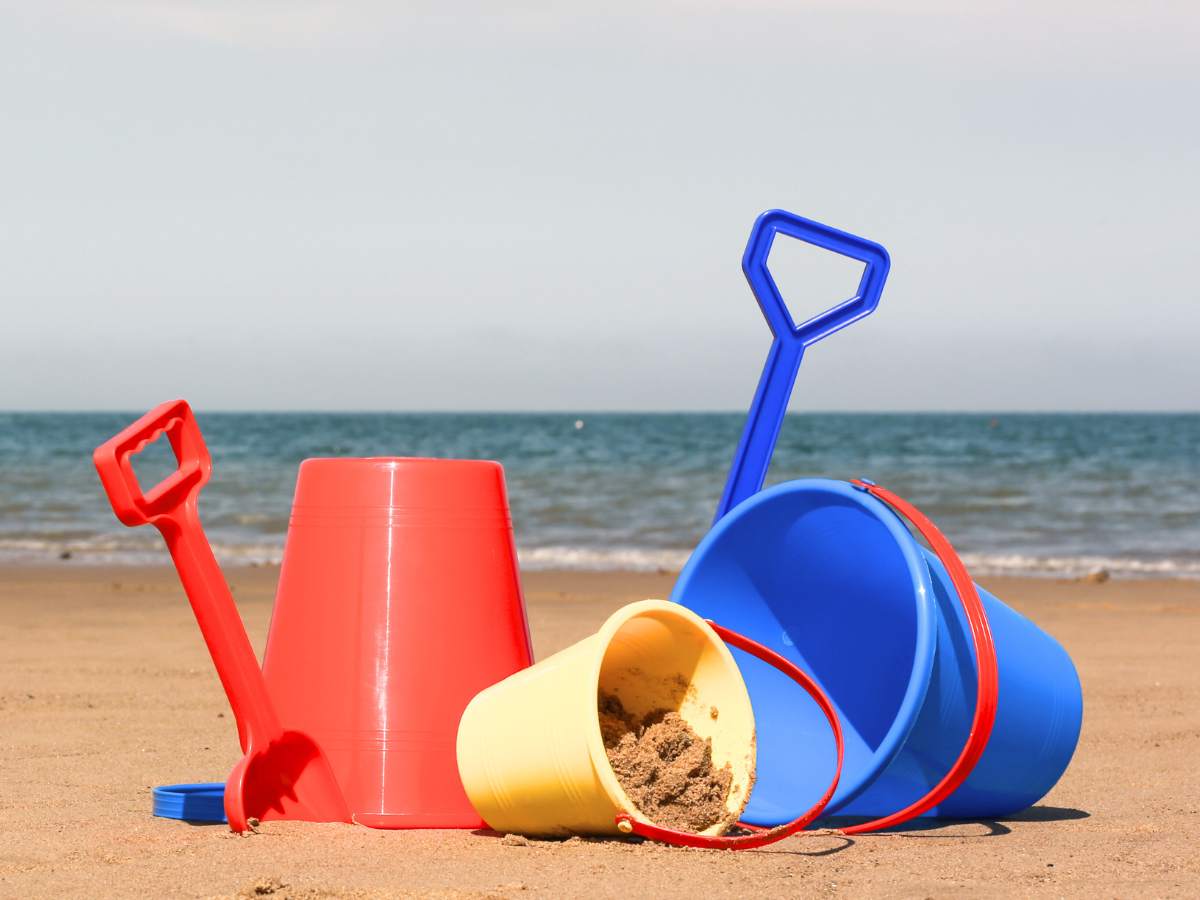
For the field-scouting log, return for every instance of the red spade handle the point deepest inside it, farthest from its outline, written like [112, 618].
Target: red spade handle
[172, 508]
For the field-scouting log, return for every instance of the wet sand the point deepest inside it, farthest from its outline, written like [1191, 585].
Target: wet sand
[106, 689]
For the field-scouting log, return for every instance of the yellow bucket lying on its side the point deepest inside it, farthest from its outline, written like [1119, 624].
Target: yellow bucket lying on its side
[530, 754]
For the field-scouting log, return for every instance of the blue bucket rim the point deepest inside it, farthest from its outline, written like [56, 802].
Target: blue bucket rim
[925, 647]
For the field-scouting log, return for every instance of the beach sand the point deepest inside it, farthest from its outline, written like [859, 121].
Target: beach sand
[106, 690]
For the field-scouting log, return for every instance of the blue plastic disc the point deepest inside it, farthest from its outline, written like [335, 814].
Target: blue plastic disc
[191, 802]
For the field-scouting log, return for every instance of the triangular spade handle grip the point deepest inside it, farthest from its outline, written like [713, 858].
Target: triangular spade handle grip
[767, 410]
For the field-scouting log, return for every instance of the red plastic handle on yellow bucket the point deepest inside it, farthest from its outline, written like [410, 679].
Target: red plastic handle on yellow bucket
[629, 825]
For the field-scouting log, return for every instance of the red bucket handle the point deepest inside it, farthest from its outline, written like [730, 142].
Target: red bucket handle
[988, 690]
[629, 825]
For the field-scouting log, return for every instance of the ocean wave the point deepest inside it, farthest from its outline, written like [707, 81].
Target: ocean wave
[628, 559]
[150, 551]
[1075, 566]
[130, 551]
[133, 549]
[980, 564]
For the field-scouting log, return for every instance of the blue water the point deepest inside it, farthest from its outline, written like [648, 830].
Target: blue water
[1048, 494]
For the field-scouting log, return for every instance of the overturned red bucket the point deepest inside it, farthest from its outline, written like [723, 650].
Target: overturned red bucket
[399, 600]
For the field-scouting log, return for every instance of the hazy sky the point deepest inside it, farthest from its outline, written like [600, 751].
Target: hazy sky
[543, 206]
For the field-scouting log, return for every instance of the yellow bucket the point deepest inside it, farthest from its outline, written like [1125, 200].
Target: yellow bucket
[530, 754]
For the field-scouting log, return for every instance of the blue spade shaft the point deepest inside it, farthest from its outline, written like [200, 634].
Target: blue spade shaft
[765, 419]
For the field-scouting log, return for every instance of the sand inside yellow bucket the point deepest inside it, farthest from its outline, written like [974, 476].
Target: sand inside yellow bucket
[664, 767]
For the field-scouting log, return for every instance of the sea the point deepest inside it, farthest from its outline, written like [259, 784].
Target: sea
[1057, 495]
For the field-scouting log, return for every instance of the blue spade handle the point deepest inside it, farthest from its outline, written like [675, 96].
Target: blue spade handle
[767, 410]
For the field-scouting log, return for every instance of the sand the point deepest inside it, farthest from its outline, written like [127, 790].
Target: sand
[106, 689]
[665, 768]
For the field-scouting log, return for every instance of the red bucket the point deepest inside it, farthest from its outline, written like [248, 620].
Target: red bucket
[399, 600]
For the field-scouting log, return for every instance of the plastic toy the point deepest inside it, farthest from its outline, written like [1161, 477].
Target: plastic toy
[191, 802]
[530, 751]
[770, 402]
[399, 600]
[959, 709]
[283, 774]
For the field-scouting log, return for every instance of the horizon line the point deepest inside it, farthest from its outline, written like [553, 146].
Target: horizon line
[623, 412]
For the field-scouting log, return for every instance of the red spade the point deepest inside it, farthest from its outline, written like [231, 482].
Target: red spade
[283, 774]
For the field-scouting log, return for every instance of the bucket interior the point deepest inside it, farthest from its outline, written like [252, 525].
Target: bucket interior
[826, 576]
[664, 659]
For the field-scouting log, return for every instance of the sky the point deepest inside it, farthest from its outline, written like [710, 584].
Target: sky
[543, 206]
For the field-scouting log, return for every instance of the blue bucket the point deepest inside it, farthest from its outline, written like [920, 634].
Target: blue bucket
[829, 577]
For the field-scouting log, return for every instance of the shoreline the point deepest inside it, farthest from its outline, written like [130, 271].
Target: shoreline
[53, 568]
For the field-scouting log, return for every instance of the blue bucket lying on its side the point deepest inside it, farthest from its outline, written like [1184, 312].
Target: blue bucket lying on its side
[831, 578]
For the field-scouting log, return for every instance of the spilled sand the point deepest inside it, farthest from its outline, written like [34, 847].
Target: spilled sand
[106, 689]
